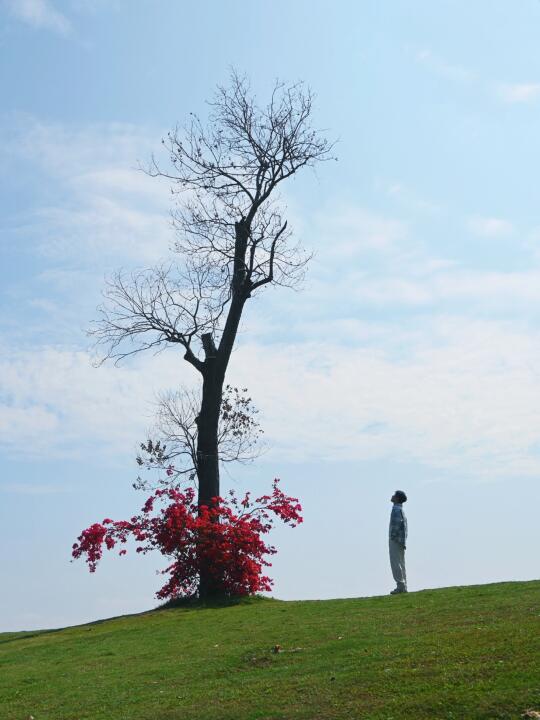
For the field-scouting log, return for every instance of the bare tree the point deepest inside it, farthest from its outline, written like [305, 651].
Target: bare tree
[232, 240]
[172, 447]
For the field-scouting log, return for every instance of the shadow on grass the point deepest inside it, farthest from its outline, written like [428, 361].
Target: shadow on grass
[215, 603]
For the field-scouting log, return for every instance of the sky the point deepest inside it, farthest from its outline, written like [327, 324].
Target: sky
[409, 358]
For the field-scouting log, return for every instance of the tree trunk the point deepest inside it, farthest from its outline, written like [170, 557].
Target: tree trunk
[208, 461]
[207, 441]
[215, 368]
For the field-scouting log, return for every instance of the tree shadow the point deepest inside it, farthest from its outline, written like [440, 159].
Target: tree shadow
[212, 603]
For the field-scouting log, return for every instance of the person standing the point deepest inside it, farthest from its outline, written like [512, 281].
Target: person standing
[397, 542]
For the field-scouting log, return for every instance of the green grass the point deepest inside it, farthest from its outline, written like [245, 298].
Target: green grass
[463, 653]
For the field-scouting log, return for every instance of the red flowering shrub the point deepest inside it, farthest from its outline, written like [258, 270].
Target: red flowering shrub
[225, 538]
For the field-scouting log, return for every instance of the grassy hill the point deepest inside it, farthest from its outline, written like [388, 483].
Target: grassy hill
[464, 653]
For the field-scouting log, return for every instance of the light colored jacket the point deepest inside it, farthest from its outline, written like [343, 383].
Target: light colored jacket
[398, 525]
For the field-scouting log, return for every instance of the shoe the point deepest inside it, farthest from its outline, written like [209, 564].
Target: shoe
[398, 591]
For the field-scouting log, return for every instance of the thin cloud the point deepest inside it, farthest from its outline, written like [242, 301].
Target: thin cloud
[439, 403]
[430, 395]
[356, 231]
[443, 68]
[433, 396]
[518, 92]
[490, 226]
[40, 14]
[406, 196]
[101, 208]
[68, 408]
[511, 93]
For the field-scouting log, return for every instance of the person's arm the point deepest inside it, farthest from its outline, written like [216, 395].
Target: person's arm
[397, 527]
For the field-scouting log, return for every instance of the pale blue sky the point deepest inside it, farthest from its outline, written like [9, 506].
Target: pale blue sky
[410, 359]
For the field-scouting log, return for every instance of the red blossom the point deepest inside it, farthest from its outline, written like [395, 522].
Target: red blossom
[225, 537]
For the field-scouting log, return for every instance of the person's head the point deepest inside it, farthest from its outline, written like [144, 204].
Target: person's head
[398, 497]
